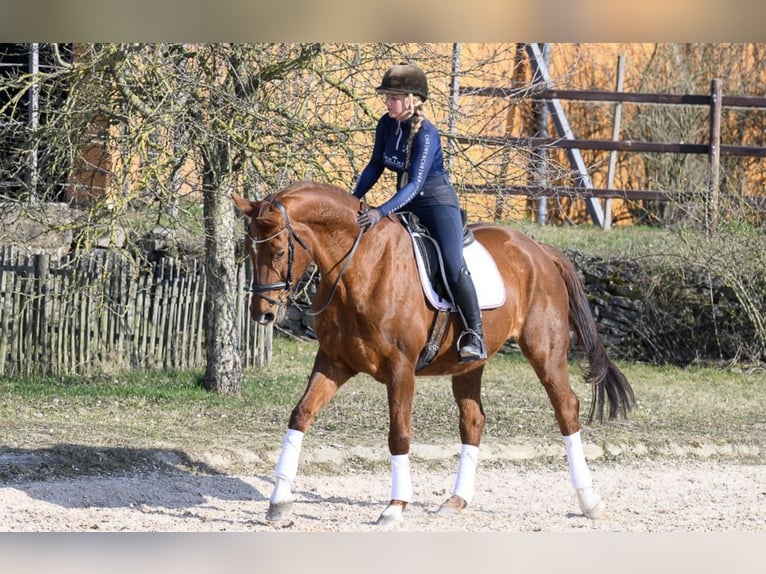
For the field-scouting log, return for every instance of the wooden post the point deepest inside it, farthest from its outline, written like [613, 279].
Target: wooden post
[615, 137]
[562, 125]
[715, 156]
[543, 115]
[6, 260]
[37, 353]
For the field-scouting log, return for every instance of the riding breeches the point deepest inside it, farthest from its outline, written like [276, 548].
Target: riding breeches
[445, 224]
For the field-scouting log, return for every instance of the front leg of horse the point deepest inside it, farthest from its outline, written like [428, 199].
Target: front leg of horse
[324, 382]
[401, 490]
[400, 399]
[462, 492]
[281, 500]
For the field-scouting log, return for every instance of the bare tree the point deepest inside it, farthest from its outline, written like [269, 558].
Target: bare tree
[147, 129]
[210, 91]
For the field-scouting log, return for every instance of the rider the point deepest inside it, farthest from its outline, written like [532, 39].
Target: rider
[409, 144]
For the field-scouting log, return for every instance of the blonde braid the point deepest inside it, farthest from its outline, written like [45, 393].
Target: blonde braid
[418, 115]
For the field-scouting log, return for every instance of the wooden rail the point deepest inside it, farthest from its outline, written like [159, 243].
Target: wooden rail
[615, 97]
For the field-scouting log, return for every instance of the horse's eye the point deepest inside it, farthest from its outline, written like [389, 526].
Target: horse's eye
[279, 255]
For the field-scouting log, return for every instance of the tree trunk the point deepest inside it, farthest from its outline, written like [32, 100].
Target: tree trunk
[222, 339]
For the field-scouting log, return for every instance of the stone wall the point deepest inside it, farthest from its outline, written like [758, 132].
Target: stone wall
[44, 228]
[654, 313]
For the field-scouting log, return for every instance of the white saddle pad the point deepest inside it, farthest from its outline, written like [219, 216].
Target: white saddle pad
[486, 278]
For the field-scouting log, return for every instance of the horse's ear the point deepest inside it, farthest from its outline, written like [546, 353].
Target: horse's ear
[268, 217]
[245, 206]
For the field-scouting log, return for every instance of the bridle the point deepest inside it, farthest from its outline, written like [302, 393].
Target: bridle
[286, 285]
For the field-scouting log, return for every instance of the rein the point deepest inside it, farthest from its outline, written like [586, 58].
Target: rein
[287, 285]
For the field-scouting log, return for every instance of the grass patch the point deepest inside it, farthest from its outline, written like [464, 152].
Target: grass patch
[117, 422]
[620, 241]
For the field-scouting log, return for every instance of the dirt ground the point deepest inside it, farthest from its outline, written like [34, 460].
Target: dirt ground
[687, 495]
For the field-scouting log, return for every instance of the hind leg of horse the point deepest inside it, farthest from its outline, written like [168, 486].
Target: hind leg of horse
[324, 381]
[466, 388]
[401, 394]
[554, 375]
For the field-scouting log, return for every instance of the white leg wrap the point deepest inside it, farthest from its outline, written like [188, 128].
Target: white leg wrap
[401, 482]
[579, 473]
[466, 472]
[287, 466]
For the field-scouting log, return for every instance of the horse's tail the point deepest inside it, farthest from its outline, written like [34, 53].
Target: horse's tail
[602, 373]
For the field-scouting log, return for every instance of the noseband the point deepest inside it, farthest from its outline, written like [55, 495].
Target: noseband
[286, 285]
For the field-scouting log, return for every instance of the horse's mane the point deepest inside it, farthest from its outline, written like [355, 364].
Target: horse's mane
[315, 201]
[316, 187]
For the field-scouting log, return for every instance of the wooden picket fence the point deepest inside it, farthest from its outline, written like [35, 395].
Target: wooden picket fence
[104, 313]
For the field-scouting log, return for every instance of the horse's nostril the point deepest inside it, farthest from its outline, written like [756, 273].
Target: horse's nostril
[263, 318]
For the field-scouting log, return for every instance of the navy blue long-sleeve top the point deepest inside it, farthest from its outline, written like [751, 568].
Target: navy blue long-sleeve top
[426, 174]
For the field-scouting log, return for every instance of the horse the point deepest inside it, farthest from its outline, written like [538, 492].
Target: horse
[369, 318]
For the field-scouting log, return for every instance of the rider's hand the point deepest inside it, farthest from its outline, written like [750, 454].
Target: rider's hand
[366, 219]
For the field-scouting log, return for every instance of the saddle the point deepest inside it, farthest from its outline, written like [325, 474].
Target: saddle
[429, 253]
[490, 289]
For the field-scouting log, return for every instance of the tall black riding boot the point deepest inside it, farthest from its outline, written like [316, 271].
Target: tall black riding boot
[470, 343]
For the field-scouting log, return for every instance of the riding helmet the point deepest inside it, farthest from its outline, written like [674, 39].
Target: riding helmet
[404, 78]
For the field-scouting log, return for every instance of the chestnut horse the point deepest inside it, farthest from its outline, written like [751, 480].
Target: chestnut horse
[370, 318]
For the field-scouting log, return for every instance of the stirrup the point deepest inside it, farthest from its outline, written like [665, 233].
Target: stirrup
[470, 351]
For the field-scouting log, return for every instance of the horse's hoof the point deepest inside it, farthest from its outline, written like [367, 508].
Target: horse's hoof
[385, 520]
[596, 511]
[393, 514]
[279, 511]
[590, 503]
[453, 505]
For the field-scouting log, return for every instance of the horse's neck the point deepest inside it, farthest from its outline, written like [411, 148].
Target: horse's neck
[337, 251]
[331, 224]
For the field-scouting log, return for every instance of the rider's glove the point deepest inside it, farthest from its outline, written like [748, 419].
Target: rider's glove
[366, 219]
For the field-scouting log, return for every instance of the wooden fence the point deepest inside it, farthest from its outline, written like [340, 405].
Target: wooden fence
[66, 316]
[551, 97]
